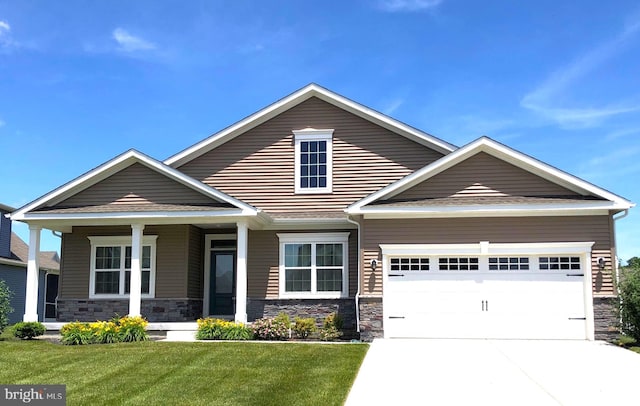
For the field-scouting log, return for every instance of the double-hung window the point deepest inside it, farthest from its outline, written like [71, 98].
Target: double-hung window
[314, 265]
[313, 160]
[110, 275]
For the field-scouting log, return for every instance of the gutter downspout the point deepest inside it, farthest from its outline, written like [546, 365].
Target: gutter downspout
[624, 214]
[359, 276]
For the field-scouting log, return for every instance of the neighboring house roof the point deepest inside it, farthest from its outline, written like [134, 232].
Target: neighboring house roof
[311, 90]
[49, 260]
[8, 209]
[219, 201]
[590, 196]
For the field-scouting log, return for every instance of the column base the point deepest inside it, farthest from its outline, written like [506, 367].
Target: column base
[30, 317]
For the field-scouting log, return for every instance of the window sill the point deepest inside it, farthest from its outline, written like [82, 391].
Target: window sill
[109, 296]
[311, 191]
[302, 295]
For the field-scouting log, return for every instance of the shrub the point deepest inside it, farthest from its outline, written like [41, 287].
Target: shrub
[630, 302]
[105, 332]
[270, 329]
[76, 333]
[132, 329]
[625, 341]
[28, 330]
[331, 327]
[216, 329]
[303, 328]
[5, 305]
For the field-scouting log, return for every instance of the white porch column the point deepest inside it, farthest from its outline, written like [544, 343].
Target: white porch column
[33, 267]
[241, 273]
[135, 291]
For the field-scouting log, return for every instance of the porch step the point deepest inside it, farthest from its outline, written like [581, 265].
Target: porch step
[181, 335]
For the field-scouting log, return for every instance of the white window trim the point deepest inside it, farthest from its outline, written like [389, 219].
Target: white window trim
[114, 241]
[312, 134]
[314, 238]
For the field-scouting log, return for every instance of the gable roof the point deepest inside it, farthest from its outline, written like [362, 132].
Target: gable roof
[20, 251]
[311, 90]
[500, 151]
[114, 166]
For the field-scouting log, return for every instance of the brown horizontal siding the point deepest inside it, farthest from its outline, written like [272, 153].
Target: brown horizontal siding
[495, 230]
[263, 264]
[136, 185]
[171, 259]
[195, 280]
[483, 175]
[258, 166]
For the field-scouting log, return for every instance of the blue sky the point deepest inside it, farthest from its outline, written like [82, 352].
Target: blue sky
[81, 82]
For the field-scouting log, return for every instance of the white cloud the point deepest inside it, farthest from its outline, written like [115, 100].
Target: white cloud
[5, 35]
[131, 43]
[391, 107]
[543, 100]
[408, 5]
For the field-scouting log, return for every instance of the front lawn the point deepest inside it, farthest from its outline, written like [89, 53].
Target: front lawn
[166, 373]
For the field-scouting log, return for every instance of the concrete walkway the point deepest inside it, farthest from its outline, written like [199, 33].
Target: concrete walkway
[496, 372]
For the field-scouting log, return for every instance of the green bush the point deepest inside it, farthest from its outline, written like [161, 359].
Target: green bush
[625, 341]
[132, 329]
[5, 305]
[216, 329]
[303, 328]
[331, 328]
[124, 329]
[27, 330]
[76, 333]
[630, 302]
[283, 318]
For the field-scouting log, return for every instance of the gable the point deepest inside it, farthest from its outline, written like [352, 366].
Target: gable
[135, 185]
[483, 175]
[257, 167]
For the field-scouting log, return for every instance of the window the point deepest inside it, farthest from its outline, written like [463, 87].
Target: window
[508, 263]
[111, 266]
[313, 265]
[559, 263]
[409, 264]
[313, 161]
[458, 264]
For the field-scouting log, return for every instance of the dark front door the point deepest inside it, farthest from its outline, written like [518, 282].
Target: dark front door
[51, 294]
[222, 282]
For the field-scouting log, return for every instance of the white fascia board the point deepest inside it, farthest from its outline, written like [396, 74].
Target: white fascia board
[500, 151]
[490, 211]
[489, 248]
[113, 166]
[178, 215]
[294, 99]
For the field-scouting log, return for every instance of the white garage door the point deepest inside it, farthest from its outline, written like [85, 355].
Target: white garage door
[491, 296]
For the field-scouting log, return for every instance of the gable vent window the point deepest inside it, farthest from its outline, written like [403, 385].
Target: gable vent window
[313, 160]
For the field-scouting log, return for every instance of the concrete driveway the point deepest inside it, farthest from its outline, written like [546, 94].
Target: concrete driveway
[496, 372]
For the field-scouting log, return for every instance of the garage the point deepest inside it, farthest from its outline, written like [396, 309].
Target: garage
[504, 291]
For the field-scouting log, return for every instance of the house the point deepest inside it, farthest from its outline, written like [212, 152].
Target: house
[13, 270]
[317, 204]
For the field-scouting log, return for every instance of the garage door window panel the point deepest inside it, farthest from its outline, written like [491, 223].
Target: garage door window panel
[458, 264]
[409, 264]
[559, 263]
[509, 263]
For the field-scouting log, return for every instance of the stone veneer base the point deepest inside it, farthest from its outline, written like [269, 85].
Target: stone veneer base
[370, 318]
[316, 308]
[154, 310]
[605, 318]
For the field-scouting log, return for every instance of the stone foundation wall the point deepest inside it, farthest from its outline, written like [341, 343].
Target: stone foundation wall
[154, 310]
[606, 318]
[316, 308]
[371, 324]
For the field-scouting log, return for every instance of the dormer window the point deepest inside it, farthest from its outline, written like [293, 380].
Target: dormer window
[313, 161]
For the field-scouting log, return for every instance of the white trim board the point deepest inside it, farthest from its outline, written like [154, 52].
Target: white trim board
[299, 96]
[117, 164]
[500, 151]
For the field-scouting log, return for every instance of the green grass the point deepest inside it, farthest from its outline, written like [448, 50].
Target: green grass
[187, 373]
